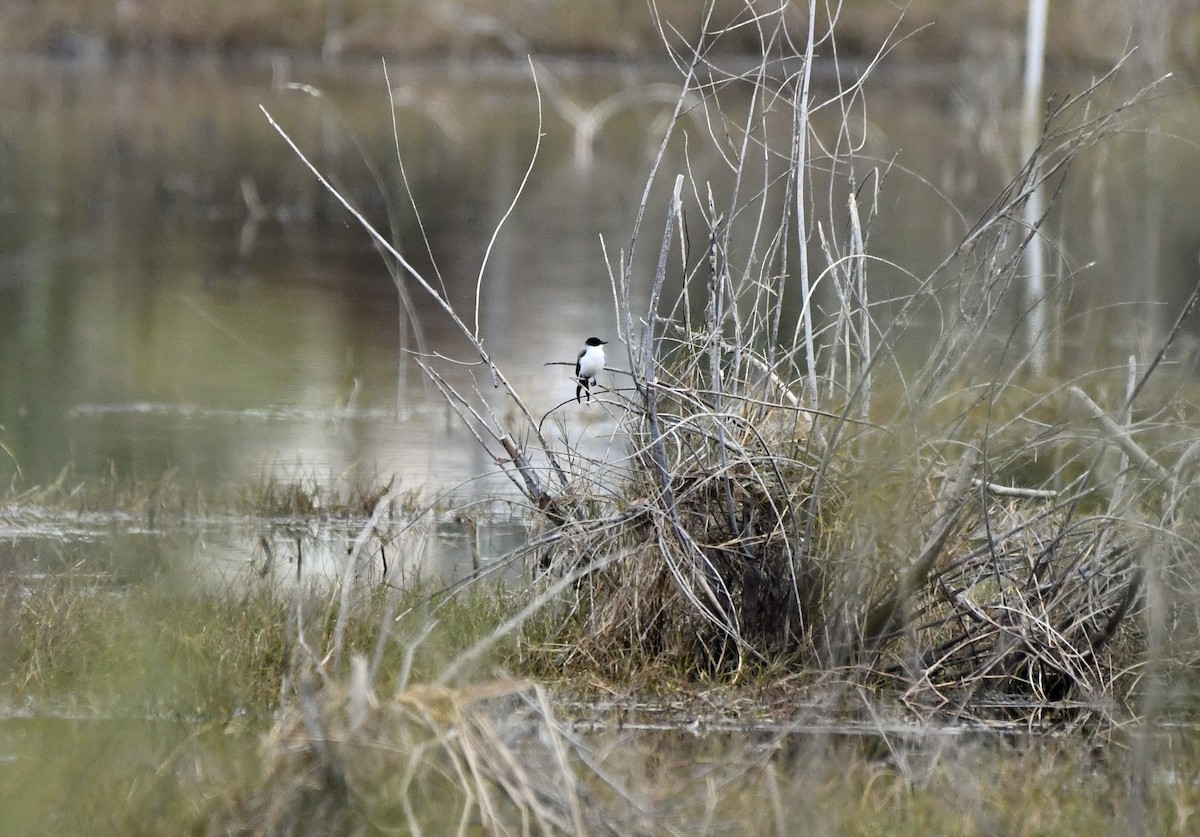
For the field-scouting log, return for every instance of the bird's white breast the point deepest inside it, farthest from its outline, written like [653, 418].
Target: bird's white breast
[591, 362]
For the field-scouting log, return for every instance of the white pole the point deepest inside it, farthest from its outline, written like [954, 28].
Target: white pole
[1032, 115]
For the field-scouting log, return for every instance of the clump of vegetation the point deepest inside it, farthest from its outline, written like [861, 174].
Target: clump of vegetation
[154, 649]
[961, 595]
[426, 759]
[308, 496]
[786, 506]
[795, 496]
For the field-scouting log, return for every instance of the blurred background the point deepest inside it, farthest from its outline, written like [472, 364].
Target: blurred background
[179, 294]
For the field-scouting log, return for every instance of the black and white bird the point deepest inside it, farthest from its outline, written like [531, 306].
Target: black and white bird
[588, 365]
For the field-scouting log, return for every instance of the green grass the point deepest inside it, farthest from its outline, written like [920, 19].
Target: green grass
[191, 650]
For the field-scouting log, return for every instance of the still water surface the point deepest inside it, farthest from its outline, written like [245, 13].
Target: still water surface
[177, 294]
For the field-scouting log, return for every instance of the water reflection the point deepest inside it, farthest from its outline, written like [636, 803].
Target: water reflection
[109, 550]
[176, 292]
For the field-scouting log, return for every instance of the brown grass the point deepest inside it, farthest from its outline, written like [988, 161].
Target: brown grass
[428, 760]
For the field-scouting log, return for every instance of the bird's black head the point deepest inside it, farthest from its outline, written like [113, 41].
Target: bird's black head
[595, 341]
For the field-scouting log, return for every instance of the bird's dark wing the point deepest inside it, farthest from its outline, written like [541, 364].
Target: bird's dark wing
[582, 352]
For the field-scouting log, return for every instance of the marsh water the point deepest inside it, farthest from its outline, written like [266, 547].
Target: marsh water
[179, 296]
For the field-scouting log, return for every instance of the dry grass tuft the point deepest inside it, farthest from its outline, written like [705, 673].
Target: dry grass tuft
[1023, 609]
[427, 760]
[962, 595]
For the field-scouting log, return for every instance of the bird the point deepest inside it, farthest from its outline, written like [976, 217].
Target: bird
[588, 365]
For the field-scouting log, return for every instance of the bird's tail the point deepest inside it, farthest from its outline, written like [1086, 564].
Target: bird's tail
[581, 388]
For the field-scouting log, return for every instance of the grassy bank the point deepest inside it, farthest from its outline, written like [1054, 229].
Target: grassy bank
[168, 709]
